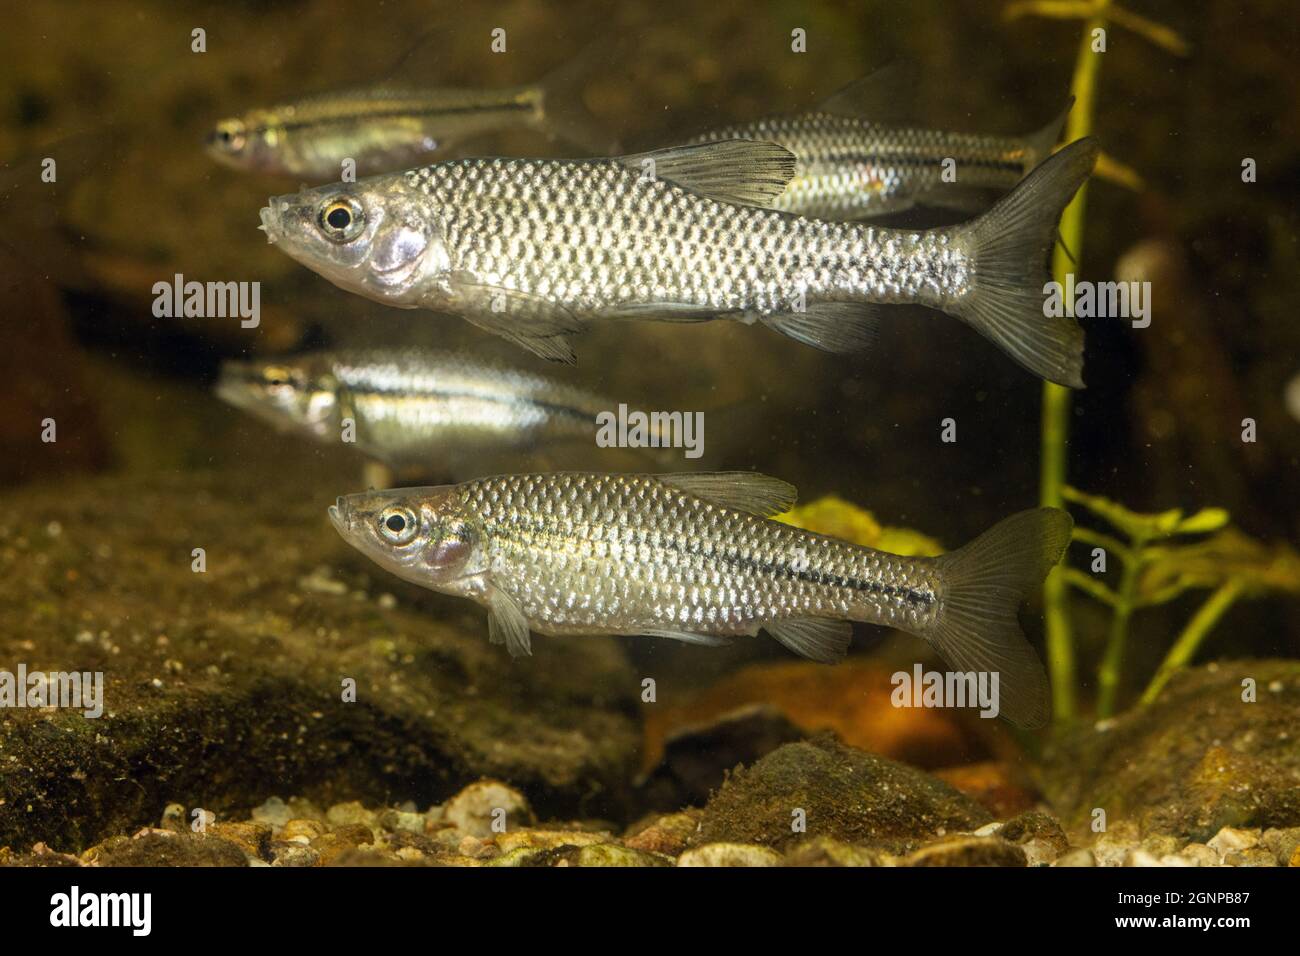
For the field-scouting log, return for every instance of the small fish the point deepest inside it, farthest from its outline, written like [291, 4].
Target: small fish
[694, 557]
[851, 167]
[411, 408]
[387, 128]
[536, 249]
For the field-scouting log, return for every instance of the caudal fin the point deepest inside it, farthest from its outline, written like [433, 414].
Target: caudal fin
[983, 585]
[1009, 246]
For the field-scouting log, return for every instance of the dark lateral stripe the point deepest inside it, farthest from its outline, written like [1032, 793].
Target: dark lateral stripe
[361, 116]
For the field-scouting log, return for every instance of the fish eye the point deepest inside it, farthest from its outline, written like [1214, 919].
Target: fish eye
[397, 524]
[276, 376]
[341, 219]
[230, 136]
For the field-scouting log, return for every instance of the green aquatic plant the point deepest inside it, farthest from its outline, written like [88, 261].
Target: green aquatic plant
[1163, 556]
[1097, 16]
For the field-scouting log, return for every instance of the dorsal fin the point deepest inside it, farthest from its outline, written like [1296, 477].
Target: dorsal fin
[884, 95]
[734, 170]
[746, 491]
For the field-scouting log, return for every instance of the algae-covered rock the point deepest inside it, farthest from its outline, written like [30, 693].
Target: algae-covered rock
[226, 685]
[1202, 757]
[967, 851]
[730, 854]
[822, 788]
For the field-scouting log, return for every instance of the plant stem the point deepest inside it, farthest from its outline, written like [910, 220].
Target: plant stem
[1184, 649]
[1112, 663]
[1056, 398]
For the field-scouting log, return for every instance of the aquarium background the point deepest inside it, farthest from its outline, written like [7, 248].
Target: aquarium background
[222, 689]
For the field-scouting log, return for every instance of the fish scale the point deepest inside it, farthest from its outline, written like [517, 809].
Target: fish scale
[536, 250]
[643, 554]
[653, 241]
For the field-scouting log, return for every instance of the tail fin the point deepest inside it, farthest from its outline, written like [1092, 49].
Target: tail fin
[565, 115]
[1009, 246]
[1040, 142]
[983, 585]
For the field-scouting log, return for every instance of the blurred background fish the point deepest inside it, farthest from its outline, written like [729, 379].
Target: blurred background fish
[854, 165]
[389, 126]
[420, 412]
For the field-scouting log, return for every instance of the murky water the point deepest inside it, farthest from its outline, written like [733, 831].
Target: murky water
[174, 551]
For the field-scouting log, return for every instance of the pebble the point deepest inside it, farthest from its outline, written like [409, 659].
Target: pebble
[479, 806]
[729, 854]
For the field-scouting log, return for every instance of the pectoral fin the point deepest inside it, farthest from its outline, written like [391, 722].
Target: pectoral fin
[507, 624]
[528, 320]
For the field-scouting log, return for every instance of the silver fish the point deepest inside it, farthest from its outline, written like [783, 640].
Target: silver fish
[535, 249]
[694, 557]
[385, 128]
[412, 408]
[851, 167]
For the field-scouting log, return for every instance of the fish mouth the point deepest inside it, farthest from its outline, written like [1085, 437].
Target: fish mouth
[337, 512]
[269, 224]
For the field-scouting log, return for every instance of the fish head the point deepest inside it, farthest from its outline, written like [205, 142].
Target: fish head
[426, 535]
[376, 237]
[245, 143]
[291, 394]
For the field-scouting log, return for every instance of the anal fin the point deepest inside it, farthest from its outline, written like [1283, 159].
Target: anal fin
[830, 326]
[815, 638]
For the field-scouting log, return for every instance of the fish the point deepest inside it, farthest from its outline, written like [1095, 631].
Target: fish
[695, 557]
[412, 408]
[534, 250]
[851, 166]
[387, 127]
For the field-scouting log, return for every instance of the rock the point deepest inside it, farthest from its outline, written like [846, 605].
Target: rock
[238, 665]
[697, 758]
[824, 851]
[351, 812]
[1283, 844]
[479, 806]
[1196, 760]
[253, 838]
[836, 791]
[611, 854]
[548, 839]
[302, 831]
[1077, 858]
[729, 854]
[1230, 839]
[1039, 835]
[165, 848]
[274, 813]
[1200, 855]
[962, 850]
[667, 833]
[1254, 856]
[852, 699]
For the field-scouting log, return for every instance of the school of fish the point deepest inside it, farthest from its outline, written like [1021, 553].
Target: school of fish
[763, 223]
